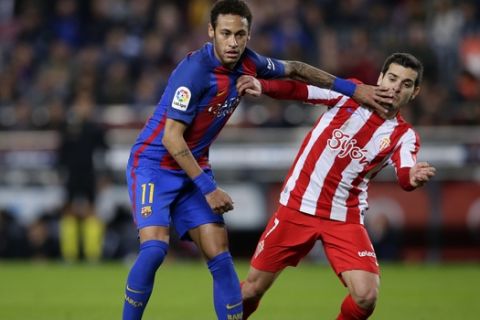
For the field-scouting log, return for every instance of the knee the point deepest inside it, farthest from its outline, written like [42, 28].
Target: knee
[366, 298]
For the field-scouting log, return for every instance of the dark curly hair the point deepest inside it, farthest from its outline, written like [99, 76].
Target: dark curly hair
[235, 7]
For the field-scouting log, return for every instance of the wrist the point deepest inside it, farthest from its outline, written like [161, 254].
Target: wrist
[344, 87]
[205, 183]
[265, 85]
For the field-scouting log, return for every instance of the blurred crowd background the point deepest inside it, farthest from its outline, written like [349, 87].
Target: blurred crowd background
[58, 53]
[106, 63]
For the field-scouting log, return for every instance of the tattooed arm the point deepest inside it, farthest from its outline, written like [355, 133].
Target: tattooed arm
[370, 96]
[175, 143]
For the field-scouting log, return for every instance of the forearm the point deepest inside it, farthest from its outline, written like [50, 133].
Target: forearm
[178, 149]
[307, 73]
[314, 76]
[285, 89]
[176, 145]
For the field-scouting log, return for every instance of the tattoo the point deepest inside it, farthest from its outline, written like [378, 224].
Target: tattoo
[182, 153]
[307, 73]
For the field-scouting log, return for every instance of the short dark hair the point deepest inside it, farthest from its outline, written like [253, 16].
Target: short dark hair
[405, 60]
[235, 7]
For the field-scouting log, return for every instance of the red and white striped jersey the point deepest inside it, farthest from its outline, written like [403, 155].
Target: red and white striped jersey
[345, 149]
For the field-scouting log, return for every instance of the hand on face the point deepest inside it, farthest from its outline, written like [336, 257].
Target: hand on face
[377, 98]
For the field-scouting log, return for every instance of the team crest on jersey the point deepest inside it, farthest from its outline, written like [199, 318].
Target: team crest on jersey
[181, 98]
[224, 109]
[146, 211]
[384, 143]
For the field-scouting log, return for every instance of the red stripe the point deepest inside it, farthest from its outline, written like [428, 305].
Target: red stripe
[249, 67]
[134, 194]
[148, 141]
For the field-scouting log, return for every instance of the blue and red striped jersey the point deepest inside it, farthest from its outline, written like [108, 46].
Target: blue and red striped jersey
[201, 93]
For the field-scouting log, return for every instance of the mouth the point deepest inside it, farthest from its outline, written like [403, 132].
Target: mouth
[231, 54]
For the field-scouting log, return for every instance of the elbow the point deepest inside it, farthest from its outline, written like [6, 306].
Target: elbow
[167, 141]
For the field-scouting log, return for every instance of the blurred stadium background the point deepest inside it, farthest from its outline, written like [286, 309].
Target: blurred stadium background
[113, 57]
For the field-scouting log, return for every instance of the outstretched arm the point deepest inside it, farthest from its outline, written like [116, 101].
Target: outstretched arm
[370, 96]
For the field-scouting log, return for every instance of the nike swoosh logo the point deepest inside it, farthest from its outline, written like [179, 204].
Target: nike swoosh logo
[221, 93]
[229, 307]
[134, 291]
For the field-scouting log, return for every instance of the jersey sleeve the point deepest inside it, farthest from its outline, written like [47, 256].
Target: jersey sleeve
[184, 91]
[267, 68]
[405, 157]
[297, 90]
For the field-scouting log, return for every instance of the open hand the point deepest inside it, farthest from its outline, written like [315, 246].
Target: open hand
[420, 173]
[374, 97]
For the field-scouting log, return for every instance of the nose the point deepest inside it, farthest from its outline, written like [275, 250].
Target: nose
[233, 41]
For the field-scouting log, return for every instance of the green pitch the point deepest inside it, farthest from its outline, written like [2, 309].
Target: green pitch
[183, 291]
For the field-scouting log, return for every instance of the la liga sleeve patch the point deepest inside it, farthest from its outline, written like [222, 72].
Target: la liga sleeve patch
[181, 99]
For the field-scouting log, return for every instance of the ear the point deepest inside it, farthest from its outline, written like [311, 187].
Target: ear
[211, 31]
[416, 91]
[379, 80]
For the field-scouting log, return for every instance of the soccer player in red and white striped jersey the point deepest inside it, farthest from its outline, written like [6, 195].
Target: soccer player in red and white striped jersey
[324, 196]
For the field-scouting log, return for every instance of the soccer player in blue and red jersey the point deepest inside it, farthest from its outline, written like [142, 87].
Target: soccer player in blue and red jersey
[169, 177]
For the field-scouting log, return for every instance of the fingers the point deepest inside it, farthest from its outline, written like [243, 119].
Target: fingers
[249, 85]
[219, 201]
[253, 92]
[243, 83]
[223, 209]
[423, 172]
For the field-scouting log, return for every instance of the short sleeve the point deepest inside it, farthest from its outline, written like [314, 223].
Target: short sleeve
[184, 91]
[267, 68]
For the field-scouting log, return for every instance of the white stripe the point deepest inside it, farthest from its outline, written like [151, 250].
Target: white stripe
[316, 93]
[407, 146]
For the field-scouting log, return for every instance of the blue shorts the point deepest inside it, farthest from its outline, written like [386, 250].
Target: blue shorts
[162, 197]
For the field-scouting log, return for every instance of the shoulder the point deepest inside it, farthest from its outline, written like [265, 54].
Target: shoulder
[194, 65]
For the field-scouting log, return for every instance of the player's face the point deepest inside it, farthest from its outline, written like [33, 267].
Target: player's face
[401, 81]
[230, 38]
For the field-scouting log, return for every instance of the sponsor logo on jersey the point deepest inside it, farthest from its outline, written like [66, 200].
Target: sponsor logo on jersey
[366, 253]
[146, 211]
[270, 64]
[224, 109]
[181, 99]
[347, 146]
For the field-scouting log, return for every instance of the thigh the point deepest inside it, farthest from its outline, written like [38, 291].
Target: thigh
[288, 237]
[348, 247]
[151, 194]
[191, 210]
